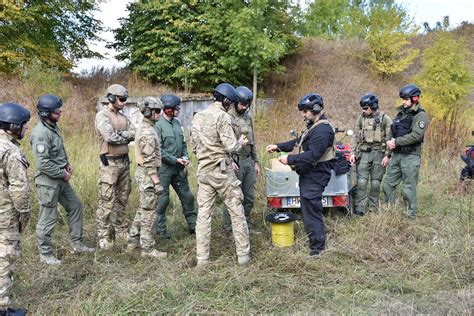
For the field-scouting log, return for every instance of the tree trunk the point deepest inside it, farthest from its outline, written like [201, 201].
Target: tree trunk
[254, 101]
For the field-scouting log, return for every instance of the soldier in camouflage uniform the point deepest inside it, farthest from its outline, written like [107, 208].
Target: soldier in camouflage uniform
[53, 172]
[148, 157]
[406, 139]
[173, 170]
[245, 162]
[115, 132]
[213, 140]
[370, 153]
[15, 208]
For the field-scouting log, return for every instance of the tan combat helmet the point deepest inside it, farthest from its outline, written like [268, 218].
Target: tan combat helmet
[148, 104]
[116, 90]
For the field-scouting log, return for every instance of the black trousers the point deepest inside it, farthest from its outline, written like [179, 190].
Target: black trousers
[312, 185]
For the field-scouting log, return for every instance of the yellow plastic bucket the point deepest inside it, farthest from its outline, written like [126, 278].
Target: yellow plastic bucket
[283, 228]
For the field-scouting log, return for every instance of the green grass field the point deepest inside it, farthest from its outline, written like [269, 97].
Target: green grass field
[381, 263]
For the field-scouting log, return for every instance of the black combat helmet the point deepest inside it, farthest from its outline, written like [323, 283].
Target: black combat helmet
[370, 100]
[312, 102]
[13, 116]
[409, 91]
[170, 100]
[49, 102]
[226, 90]
[245, 95]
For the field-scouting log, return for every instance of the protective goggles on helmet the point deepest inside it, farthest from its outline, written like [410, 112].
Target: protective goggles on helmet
[122, 98]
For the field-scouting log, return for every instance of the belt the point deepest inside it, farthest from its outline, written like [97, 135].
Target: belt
[121, 157]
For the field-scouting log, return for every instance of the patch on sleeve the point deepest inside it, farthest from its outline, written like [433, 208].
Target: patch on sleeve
[40, 148]
[23, 160]
[422, 124]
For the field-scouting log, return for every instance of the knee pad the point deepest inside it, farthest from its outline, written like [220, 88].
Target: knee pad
[362, 184]
[375, 185]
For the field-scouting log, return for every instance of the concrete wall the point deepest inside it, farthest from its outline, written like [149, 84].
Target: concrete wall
[189, 107]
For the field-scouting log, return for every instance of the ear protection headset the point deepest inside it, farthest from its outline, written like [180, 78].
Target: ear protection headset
[144, 109]
[112, 98]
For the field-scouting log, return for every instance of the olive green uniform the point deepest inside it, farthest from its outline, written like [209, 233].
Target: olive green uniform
[368, 145]
[51, 161]
[246, 159]
[14, 199]
[173, 146]
[405, 163]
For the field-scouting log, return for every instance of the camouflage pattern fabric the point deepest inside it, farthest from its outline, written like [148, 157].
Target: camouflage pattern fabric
[246, 158]
[14, 198]
[213, 141]
[141, 230]
[114, 132]
[147, 150]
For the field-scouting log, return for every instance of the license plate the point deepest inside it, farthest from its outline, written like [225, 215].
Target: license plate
[293, 201]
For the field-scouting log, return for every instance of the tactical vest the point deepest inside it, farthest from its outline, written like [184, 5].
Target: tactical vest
[372, 132]
[119, 123]
[403, 126]
[329, 154]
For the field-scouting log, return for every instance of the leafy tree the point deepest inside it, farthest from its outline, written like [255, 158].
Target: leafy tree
[201, 43]
[383, 24]
[446, 81]
[387, 28]
[325, 18]
[56, 32]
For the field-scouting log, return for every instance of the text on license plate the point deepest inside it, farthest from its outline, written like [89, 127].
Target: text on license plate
[295, 201]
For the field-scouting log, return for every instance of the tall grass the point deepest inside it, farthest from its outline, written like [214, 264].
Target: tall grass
[380, 263]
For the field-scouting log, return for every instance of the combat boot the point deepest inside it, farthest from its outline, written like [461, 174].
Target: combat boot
[80, 247]
[104, 244]
[133, 243]
[50, 260]
[243, 260]
[154, 254]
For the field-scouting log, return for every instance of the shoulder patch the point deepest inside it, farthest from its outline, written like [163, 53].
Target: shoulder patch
[421, 124]
[22, 158]
[40, 148]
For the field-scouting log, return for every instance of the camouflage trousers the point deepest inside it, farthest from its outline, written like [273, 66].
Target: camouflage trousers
[247, 177]
[227, 186]
[141, 231]
[369, 172]
[9, 252]
[406, 168]
[114, 189]
[57, 191]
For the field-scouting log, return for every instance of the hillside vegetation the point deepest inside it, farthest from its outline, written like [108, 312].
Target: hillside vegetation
[381, 263]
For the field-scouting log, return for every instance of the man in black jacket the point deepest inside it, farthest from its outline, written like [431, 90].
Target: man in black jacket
[313, 165]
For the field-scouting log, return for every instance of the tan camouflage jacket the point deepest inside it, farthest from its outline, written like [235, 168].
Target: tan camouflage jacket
[147, 147]
[14, 192]
[114, 131]
[243, 125]
[212, 137]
